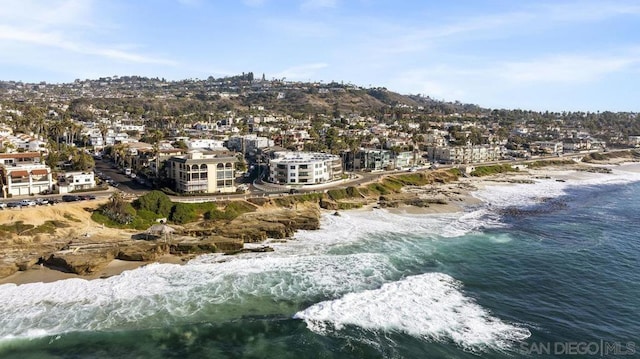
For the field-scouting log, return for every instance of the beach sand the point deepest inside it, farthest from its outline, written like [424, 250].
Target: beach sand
[459, 195]
[42, 274]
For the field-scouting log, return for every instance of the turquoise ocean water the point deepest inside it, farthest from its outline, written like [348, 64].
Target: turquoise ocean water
[539, 270]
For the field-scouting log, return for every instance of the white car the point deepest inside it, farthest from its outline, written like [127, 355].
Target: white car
[42, 201]
[27, 202]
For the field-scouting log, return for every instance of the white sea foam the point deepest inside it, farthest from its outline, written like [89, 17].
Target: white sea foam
[429, 306]
[313, 267]
[529, 194]
[165, 293]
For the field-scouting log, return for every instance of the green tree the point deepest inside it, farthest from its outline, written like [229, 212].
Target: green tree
[241, 164]
[156, 202]
[180, 144]
[183, 213]
[82, 161]
[118, 210]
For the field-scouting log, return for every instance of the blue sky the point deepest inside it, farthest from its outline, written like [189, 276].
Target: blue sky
[539, 55]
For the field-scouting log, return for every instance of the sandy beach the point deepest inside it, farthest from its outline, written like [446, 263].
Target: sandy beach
[42, 274]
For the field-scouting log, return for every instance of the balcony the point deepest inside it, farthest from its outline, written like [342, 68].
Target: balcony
[194, 182]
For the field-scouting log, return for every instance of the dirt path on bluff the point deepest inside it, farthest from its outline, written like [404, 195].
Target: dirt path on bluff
[76, 216]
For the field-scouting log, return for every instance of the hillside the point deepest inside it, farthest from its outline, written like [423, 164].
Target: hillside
[149, 96]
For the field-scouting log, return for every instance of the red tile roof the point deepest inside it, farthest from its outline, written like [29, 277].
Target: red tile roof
[39, 172]
[21, 155]
[19, 173]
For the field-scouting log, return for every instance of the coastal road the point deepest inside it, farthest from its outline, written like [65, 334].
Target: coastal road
[125, 183]
[277, 190]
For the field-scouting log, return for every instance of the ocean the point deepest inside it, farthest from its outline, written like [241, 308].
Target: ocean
[540, 270]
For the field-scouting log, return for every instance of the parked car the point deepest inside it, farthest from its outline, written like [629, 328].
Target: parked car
[70, 198]
[3, 205]
[85, 197]
[27, 202]
[42, 201]
[14, 205]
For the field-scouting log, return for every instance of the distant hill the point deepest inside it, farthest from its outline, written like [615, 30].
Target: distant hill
[236, 92]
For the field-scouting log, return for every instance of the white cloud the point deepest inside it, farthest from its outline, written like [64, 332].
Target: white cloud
[584, 11]
[398, 38]
[57, 40]
[572, 69]
[62, 25]
[53, 13]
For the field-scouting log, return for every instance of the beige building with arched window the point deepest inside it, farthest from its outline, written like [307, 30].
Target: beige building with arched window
[199, 172]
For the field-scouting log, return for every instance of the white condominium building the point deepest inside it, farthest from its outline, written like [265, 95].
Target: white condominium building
[304, 168]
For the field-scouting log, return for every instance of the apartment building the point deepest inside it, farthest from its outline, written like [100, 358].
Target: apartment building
[464, 154]
[202, 172]
[304, 168]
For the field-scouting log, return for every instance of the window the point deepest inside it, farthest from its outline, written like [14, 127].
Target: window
[293, 180]
[292, 167]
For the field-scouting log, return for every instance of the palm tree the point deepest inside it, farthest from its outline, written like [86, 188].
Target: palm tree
[104, 129]
[56, 129]
[119, 151]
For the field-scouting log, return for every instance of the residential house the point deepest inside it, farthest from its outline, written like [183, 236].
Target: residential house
[634, 141]
[547, 147]
[367, 159]
[24, 174]
[76, 180]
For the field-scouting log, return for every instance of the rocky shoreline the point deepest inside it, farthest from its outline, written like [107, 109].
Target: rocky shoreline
[70, 252]
[88, 255]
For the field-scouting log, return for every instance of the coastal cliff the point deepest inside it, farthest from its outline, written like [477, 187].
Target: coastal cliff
[71, 240]
[66, 237]
[90, 252]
